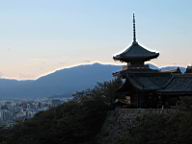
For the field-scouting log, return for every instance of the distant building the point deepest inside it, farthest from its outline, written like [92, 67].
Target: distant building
[145, 87]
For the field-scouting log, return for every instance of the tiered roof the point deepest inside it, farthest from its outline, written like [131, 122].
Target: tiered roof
[135, 52]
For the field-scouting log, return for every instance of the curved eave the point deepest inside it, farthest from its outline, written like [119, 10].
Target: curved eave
[135, 58]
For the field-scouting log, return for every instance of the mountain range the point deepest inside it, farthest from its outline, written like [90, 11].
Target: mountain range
[59, 83]
[63, 82]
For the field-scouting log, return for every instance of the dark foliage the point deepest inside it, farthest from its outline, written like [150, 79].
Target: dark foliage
[79, 121]
[74, 122]
[106, 91]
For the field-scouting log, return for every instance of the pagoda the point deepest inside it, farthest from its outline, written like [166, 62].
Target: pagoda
[143, 87]
[135, 56]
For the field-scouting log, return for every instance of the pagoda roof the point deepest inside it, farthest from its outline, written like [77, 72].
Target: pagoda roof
[136, 53]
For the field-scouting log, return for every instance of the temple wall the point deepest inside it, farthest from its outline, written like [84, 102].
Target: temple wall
[121, 120]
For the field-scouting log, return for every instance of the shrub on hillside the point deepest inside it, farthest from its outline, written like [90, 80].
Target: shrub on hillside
[75, 122]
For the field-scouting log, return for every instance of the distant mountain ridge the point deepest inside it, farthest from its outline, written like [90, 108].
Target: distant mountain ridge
[169, 68]
[62, 82]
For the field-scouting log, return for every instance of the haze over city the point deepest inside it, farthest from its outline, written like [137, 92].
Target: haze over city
[40, 36]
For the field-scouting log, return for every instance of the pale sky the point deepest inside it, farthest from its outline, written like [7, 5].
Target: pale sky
[39, 36]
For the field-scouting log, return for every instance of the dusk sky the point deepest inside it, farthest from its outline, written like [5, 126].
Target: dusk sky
[40, 36]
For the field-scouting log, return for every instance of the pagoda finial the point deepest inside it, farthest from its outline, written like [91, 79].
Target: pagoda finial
[134, 30]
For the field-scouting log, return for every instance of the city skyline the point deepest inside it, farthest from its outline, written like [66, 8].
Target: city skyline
[38, 37]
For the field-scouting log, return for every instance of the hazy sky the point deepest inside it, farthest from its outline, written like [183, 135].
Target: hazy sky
[39, 36]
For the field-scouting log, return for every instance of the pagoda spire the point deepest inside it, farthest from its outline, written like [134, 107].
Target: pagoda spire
[134, 30]
[135, 54]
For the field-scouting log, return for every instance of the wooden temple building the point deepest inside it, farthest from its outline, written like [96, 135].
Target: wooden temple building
[148, 88]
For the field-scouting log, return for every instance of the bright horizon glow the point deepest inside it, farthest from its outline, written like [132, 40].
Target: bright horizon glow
[40, 36]
[80, 64]
[65, 67]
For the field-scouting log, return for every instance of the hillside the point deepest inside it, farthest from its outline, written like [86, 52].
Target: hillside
[90, 119]
[62, 82]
